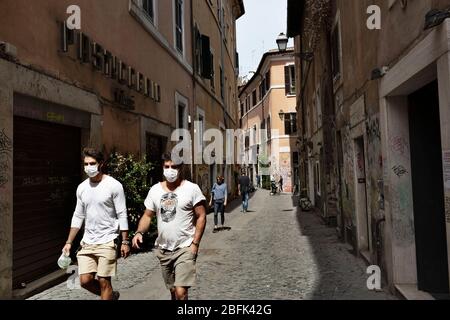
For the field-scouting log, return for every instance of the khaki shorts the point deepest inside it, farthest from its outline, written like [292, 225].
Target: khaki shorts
[178, 267]
[98, 258]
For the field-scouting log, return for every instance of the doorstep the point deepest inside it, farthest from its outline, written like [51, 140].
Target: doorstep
[41, 284]
[410, 292]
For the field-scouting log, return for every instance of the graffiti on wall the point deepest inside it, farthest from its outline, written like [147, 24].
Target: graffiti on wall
[399, 146]
[373, 130]
[5, 152]
[399, 170]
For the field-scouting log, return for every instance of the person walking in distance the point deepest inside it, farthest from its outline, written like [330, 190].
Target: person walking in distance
[101, 206]
[219, 194]
[180, 209]
[244, 189]
[281, 183]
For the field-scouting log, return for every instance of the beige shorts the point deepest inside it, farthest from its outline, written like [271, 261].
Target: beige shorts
[98, 258]
[178, 267]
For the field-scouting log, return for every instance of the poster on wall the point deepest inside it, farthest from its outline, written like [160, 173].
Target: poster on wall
[446, 164]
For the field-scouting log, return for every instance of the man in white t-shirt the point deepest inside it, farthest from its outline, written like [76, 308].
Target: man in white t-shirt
[179, 206]
[101, 206]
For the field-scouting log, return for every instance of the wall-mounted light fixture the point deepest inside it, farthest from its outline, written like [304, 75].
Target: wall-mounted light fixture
[281, 114]
[379, 73]
[282, 42]
[435, 17]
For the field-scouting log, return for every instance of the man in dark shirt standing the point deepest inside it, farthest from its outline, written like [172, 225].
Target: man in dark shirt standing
[244, 188]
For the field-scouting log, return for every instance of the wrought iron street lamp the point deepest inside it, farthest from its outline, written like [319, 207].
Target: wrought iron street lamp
[282, 42]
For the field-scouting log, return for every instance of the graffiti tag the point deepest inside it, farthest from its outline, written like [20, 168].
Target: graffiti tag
[399, 171]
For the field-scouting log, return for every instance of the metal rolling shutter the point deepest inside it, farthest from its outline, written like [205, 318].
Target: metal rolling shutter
[46, 174]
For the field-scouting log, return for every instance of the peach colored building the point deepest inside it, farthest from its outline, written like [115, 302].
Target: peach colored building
[268, 117]
[134, 72]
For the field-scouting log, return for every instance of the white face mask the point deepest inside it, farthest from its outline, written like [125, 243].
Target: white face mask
[171, 175]
[91, 171]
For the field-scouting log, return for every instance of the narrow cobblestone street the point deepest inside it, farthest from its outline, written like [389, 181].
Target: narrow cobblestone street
[272, 252]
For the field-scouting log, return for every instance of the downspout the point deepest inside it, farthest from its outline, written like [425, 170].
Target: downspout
[334, 123]
[305, 169]
[379, 240]
[194, 89]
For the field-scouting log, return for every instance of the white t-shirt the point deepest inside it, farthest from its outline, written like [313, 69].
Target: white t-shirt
[175, 214]
[102, 206]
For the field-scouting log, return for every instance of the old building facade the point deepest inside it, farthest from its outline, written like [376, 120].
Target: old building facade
[384, 108]
[135, 71]
[269, 120]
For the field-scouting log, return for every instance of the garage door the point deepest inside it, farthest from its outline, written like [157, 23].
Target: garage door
[46, 175]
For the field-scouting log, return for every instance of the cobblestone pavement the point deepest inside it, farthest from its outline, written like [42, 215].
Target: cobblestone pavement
[272, 252]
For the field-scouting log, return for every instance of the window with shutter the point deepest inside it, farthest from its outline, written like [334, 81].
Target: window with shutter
[254, 98]
[222, 84]
[179, 25]
[213, 72]
[148, 7]
[206, 57]
[268, 80]
[289, 78]
[286, 80]
[335, 53]
[290, 123]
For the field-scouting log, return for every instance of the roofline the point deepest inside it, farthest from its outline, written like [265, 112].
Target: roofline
[240, 4]
[288, 52]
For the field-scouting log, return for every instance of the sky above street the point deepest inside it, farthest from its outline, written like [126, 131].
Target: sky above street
[258, 30]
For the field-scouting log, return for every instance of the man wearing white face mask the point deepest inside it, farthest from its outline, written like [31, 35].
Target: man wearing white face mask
[101, 206]
[179, 206]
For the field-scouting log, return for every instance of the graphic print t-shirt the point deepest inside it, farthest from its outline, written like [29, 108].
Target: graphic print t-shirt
[175, 214]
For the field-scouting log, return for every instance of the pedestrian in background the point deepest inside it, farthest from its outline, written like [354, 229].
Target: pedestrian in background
[281, 183]
[101, 206]
[244, 189]
[219, 194]
[180, 209]
[258, 181]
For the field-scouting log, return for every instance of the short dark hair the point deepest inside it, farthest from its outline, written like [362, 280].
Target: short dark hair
[94, 153]
[168, 157]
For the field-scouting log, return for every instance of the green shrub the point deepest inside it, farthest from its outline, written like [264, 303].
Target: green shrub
[134, 175]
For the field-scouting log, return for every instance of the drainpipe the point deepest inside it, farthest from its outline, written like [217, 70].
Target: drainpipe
[303, 96]
[378, 237]
[194, 86]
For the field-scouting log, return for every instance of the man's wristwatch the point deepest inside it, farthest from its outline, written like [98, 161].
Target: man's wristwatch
[196, 244]
[126, 242]
[138, 232]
